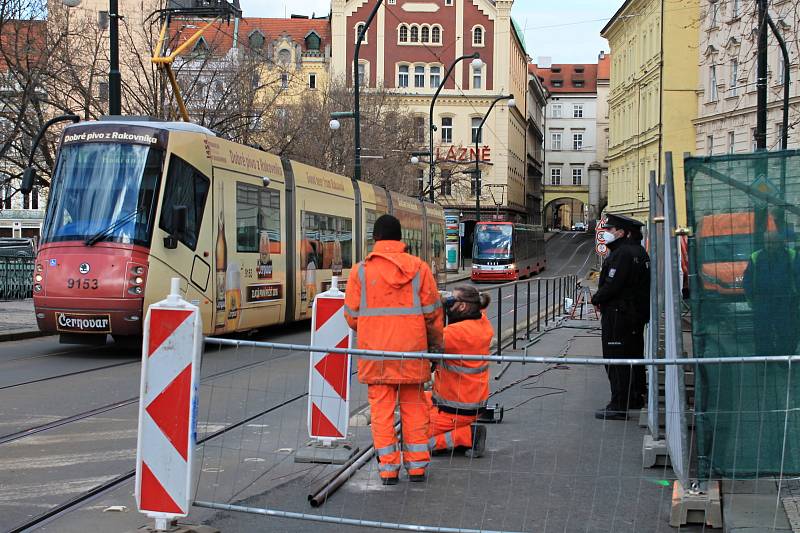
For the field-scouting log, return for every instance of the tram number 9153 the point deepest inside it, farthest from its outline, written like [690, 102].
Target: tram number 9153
[78, 283]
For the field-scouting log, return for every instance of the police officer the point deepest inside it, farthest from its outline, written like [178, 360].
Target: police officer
[623, 297]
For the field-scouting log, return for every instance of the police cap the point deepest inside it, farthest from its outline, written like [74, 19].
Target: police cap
[623, 222]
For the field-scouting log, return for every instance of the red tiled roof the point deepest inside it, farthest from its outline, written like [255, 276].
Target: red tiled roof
[24, 39]
[568, 75]
[604, 67]
[220, 36]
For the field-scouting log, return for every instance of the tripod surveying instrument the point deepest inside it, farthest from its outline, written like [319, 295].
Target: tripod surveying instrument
[584, 297]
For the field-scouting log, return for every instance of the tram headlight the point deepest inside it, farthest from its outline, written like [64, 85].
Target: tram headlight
[136, 290]
[38, 278]
[137, 270]
[138, 280]
[39, 267]
[37, 287]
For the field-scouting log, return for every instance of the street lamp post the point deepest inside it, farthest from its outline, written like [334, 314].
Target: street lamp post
[355, 114]
[114, 77]
[478, 137]
[476, 63]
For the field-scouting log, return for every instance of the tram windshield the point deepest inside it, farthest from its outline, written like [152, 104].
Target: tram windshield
[493, 241]
[103, 192]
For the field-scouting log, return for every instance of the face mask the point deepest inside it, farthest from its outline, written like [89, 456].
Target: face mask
[609, 237]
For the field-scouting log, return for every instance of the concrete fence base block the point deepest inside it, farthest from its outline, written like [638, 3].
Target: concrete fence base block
[178, 528]
[690, 507]
[336, 453]
[654, 452]
[643, 417]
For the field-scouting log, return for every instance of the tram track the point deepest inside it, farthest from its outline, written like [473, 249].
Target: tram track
[68, 374]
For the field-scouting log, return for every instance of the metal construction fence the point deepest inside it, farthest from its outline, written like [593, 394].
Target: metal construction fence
[16, 278]
[744, 212]
[549, 466]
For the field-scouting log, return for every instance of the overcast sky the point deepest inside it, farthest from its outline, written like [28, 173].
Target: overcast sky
[566, 30]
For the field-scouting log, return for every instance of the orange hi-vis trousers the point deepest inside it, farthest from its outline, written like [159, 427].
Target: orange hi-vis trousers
[414, 412]
[448, 430]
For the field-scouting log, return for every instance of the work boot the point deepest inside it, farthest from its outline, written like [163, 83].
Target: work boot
[389, 480]
[611, 413]
[478, 442]
[416, 478]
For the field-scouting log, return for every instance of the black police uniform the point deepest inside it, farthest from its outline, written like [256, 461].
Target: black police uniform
[623, 296]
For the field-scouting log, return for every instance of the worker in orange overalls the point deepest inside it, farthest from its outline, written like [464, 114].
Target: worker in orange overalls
[461, 388]
[393, 304]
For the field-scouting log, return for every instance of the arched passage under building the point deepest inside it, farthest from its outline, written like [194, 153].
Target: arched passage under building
[562, 213]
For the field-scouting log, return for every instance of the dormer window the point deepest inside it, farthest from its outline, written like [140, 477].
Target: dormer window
[201, 47]
[579, 70]
[555, 69]
[284, 57]
[477, 36]
[313, 41]
[256, 40]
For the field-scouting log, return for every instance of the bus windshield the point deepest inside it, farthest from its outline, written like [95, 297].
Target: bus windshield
[103, 191]
[493, 241]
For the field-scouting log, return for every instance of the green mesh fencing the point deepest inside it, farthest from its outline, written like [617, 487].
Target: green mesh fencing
[744, 211]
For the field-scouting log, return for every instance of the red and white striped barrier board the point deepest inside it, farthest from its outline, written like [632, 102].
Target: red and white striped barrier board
[329, 373]
[168, 407]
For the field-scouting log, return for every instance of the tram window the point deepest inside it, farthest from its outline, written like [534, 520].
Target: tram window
[257, 209]
[325, 237]
[437, 239]
[188, 187]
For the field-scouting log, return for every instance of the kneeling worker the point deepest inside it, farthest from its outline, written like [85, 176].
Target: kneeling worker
[461, 388]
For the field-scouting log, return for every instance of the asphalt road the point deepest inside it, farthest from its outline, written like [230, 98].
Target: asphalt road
[68, 414]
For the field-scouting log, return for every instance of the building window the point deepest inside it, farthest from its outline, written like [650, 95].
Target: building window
[712, 82]
[577, 176]
[577, 141]
[360, 27]
[731, 142]
[735, 6]
[201, 47]
[477, 36]
[256, 40]
[284, 80]
[419, 129]
[313, 41]
[102, 90]
[447, 130]
[102, 20]
[284, 57]
[414, 34]
[577, 111]
[448, 2]
[754, 146]
[555, 138]
[425, 34]
[555, 176]
[477, 134]
[714, 8]
[403, 34]
[781, 75]
[556, 110]
[362, 74]
[436, 77]
[477, 77]
[392, 2]
[402, 76]
[419, 76]
[558, 83]
[779, 136]
[734, 76]
[312, 81]
[578, 84]
[447, 182]
[436, 35]
[710, 145]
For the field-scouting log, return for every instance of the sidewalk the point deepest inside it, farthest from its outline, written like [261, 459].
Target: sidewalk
[17, 320]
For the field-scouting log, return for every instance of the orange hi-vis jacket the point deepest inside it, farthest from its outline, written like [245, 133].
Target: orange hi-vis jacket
[392, 302]
[462, 387]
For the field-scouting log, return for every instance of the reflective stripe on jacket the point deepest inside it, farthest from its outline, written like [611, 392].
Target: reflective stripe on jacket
[393, 304]
[462, 387]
